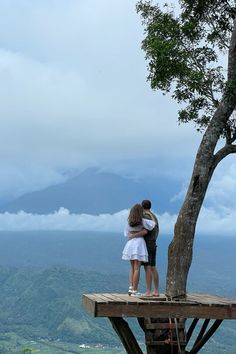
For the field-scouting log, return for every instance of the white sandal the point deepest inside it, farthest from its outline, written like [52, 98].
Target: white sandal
[135, 293]
[130, 291]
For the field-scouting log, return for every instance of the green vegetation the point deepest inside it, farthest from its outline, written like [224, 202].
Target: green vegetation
[27, 351]
[11, 343]
[45, 305]
[40, 310]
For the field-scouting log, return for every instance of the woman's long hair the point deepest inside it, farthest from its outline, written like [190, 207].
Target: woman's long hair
[135, 215]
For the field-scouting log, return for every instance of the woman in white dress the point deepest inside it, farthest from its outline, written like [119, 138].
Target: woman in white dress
[135, 249]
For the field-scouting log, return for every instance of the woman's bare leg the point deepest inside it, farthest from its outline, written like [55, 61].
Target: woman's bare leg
[137, 265]
[131, 274]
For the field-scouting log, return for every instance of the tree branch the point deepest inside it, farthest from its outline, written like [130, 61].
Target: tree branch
[221, 38]
[222, 153]
[230, 134]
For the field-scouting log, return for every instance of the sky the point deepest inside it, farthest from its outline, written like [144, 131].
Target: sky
[74, 95]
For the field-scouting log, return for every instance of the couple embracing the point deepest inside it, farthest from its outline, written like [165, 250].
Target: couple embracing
[142, 231]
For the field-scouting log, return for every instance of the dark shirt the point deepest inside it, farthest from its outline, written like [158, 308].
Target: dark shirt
[151, 235]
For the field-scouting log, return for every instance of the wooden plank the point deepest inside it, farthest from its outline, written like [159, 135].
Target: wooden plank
[107, 298]
[200, 306]
[162, 297]
[158, 310]
[95, 297]
[162, 342]
[210, 299]
[121, 298]
[164, 325]
[89, 305]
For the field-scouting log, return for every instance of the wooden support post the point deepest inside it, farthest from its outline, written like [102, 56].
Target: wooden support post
[164, 335]
[141, 323]
[196, 348]
[202, 331]
[191, 329]
[126, 335]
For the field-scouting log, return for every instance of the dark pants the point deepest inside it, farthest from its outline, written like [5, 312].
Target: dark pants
[152, 250]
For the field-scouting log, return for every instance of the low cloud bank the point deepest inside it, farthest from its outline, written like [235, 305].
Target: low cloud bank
[211, 222]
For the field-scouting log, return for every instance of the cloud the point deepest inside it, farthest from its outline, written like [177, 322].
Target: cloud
[63, 220]
[222, 188]
[217, 223]
[210, 222]
[74, 95]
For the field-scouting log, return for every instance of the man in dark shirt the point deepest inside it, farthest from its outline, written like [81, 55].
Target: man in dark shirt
[151, 272]
[150, 239]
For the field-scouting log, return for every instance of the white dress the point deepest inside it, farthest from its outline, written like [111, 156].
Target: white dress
[135, 249]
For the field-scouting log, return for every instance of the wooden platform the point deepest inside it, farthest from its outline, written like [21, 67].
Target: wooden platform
[194, 306]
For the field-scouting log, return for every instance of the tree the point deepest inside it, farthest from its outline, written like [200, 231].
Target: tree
[27, 351]
[183, 54]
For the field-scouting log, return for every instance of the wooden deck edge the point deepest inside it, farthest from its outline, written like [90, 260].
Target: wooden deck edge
[121, 305]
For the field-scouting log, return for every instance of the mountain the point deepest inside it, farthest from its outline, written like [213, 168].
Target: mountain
[93, 192]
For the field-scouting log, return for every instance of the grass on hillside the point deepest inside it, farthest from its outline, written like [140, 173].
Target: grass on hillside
[11, 343]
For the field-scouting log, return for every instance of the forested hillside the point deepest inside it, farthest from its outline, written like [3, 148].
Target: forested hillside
[47, 304]
[41, 302]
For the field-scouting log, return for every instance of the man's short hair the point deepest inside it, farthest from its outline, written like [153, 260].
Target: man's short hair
[146, 204]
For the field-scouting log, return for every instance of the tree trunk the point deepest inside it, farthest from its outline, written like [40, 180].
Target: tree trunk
[180, 249]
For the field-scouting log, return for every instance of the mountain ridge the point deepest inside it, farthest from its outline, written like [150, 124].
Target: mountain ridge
[94, 192]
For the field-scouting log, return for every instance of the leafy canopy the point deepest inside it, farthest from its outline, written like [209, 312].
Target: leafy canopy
[182, 53]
